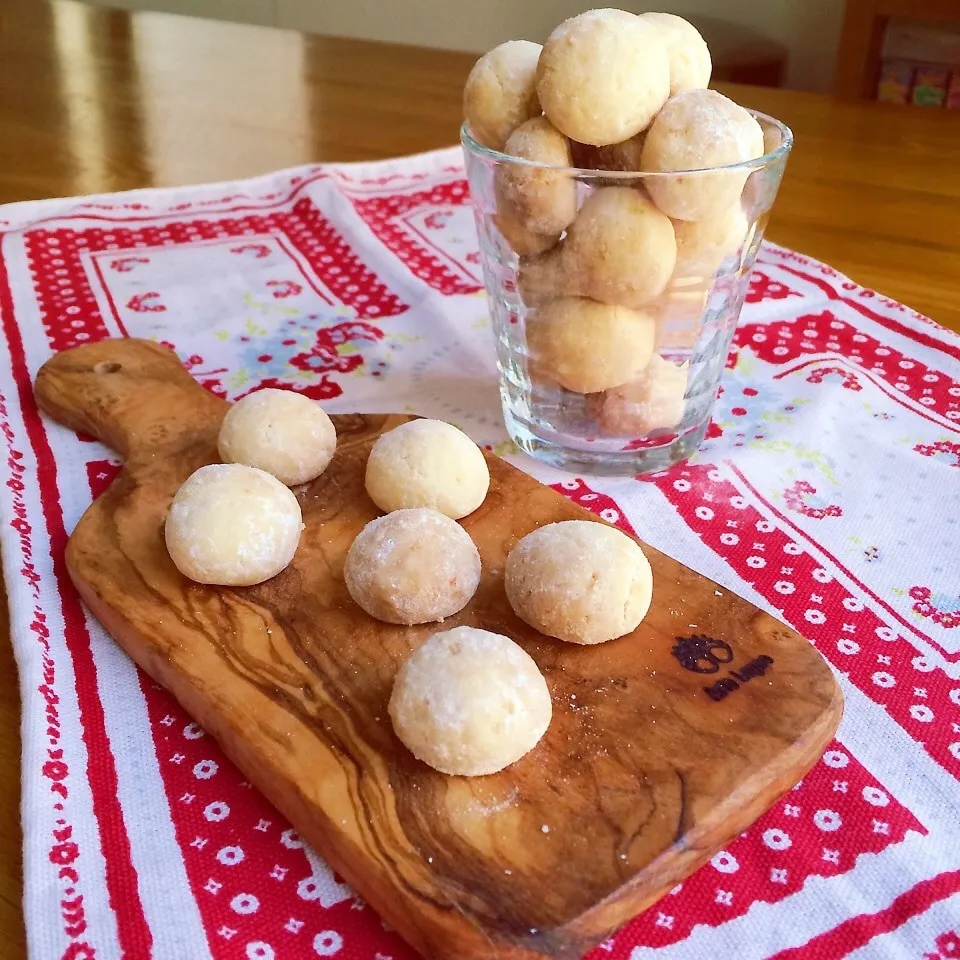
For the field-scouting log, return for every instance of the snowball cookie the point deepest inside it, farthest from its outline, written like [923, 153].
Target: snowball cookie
[654, 401]
[500, 92]
[579, 581]
[427, 463]
[412, 566]
[690, 64]
[470, 702]
[284, 433]
[587, 346]
[232, 525]
[695, 130]
[518, 238]
[621, 248]
[702, 245]
[603, 76]
[543, 200]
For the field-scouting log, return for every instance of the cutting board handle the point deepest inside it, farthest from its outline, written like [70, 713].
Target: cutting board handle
[133, 395]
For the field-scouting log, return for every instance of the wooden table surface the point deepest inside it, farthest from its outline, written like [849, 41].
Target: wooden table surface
[94, 100]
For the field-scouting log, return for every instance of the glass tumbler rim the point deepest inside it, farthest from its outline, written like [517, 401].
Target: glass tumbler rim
[472, 145]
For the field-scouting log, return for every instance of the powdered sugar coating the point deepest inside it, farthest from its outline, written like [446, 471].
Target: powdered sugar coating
[621, 249]
[412, 566]
[603, 76]
[543, 201]
[579, 581]
[470, 702]
[427, 463]
[519, 238]
[587, 346]
[282, 432]
[690, 63]
[654, 401]
[697, 130]
[702, 245]
[232, 525]
[500, 92]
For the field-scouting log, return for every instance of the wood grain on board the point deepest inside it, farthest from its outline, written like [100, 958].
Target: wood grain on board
[649, 767]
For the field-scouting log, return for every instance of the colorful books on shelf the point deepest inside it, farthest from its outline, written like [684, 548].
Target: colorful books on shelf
[921, 65]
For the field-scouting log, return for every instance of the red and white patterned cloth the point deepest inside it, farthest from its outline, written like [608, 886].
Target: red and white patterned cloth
[828, 493]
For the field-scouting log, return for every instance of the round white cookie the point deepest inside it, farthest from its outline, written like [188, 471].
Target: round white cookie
[702, 245]
[232, 525]
[603, 76]
[469, 702]
[690, 63]
[579, 581]
[698, 130]
[587, 346]
[427, 463]
[621, 249]
[540, 199]
[501, 92]
[654, 401]
[412, 566]
[282, 432]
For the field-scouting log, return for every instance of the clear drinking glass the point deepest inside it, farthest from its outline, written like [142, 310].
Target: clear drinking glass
[596, 374]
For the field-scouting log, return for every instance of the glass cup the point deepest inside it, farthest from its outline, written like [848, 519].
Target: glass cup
[611, 347]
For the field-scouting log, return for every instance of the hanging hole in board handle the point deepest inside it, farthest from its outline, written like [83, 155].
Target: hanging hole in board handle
[107, 367]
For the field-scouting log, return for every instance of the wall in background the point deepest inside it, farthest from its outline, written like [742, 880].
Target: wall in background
[809, 28]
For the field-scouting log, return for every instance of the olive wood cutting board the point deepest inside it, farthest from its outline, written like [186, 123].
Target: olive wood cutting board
[664, 744]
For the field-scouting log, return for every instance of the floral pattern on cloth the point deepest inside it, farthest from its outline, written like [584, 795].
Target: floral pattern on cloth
[948, 947]
[827, 493]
